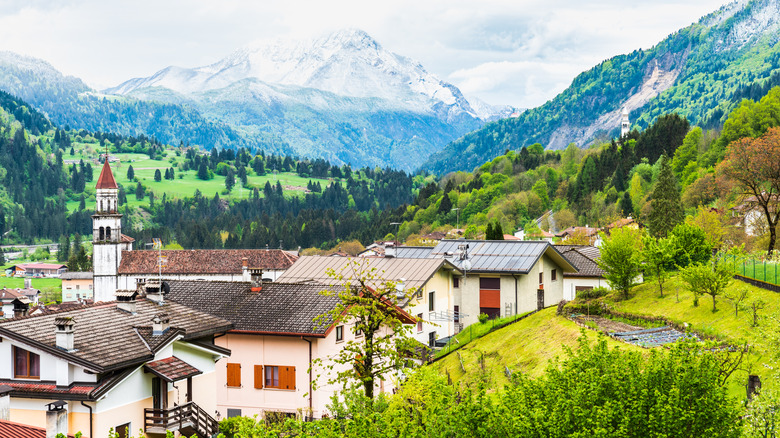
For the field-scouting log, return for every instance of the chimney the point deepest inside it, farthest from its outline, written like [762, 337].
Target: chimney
[21, 305]
[389, 249]
[64, 332]
[5, 402]
[56, 419]
[256, 278]
[153, 290]
[28, 283]
[245, 269]
[125, 300]
[160, 324]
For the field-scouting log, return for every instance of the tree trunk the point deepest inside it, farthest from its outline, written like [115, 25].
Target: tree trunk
[713, 304]
[772, 237]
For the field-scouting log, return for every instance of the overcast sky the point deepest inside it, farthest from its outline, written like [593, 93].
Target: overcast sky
[517, 52]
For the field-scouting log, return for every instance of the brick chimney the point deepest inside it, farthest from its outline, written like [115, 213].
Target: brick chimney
[64, 332]
[256, 278]
[125, 300]
[160, 324]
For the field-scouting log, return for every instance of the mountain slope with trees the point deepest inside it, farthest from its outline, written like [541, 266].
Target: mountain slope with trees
[701, 72]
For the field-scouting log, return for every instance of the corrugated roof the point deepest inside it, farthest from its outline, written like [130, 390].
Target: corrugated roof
[205, 261]
[415, 272]
[510, 256]
[76, 276]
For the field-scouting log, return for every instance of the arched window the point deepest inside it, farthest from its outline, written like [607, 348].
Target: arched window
[108, 233]
[101, 235]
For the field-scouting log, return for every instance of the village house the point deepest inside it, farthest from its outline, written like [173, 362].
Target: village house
[588, 274]
[76, 286]
[202, 264]
[275, 341]
[433, 280]
[136, 363]
[36, 270]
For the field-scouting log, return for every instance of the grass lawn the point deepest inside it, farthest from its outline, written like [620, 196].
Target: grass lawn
[526, 346]
[37, 283]
[749, 267]
[723, 323]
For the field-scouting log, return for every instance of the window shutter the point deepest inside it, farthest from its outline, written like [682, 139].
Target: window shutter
[234, 374]
[259, 376]
[287, 378]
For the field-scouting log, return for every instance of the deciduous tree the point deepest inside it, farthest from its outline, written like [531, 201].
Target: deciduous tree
[754, 165]
[620, 259]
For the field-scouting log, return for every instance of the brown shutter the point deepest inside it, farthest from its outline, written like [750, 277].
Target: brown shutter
[289, 378]
[259, 376]
[234, 374]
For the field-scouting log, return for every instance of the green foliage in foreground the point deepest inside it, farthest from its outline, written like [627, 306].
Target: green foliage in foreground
[592, 391]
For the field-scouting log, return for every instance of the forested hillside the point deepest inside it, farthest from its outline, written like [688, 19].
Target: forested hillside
[43, 197]
[700, 72]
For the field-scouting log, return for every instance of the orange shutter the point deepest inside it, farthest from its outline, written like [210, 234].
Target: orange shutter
[259, 376]
[234, 374]
[287, 377]
[490, 298]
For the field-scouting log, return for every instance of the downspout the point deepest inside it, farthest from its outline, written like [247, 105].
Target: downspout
[311, 406]
[90, 418]
[515, 276]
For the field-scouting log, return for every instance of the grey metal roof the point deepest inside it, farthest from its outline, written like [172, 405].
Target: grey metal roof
[509, 256]
[415, 272]
[413, 252]
[76, 276]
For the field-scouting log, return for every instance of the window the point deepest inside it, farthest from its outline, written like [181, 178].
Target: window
[78, 287]
[27, 365]
[339, 333]
[490, 296]
[122, 431]
[419, 322]
[541, 278]
[456, 282]
[279, 377]
[233, 413]
[431, 299]
[554, 275]
[234, 375]
[258, 376]
[358, 332]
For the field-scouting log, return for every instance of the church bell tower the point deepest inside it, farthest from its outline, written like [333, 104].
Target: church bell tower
[625, 125]
[107, 239]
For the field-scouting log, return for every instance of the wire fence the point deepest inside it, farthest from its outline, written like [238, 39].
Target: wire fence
[475, 331]
[751, 267]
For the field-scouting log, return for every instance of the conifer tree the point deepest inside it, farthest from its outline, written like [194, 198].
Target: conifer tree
[498, 232]
[203, 172]
[626, 205]
[130, 172]
[446, 204]
[665, 208]
[157, 175]
[489, 231]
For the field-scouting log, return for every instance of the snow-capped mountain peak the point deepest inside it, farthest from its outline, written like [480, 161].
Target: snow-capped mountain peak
[348, 62]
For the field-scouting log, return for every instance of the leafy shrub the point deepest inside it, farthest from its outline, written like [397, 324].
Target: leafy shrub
[483, 317]
[596, 292]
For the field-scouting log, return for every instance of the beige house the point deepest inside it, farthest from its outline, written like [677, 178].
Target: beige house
[275, 343]
[136, 363]
[588, 275]
[76, 286]
[433, 279]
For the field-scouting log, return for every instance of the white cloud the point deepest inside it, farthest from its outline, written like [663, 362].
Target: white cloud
[503, 51]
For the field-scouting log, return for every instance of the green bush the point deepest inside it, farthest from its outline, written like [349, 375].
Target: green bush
[483, 317]
[596, 292]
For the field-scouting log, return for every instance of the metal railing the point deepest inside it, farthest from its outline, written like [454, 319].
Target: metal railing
[750, 267]
[188, 415]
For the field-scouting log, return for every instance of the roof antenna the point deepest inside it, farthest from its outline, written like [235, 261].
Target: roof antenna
[280, 243]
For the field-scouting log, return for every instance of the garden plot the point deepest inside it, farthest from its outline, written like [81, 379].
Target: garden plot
[652, 337]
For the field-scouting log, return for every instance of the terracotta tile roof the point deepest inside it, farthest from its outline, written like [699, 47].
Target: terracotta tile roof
[289, 308]
[583, 257]
[127, 239]
[171, 369]
[10, 429]
[75, 391]
[106, 179]
[205, 261]
[42, 266]
[107, 338]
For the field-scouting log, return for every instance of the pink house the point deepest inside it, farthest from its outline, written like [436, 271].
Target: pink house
[274, 342]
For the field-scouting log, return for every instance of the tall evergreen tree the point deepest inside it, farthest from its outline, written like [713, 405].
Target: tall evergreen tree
[230, 180]
[64, 248]
[139, 192]
[203, 171]
[498, 231]
[665, 208]
[489, 231]
[446, 204]
[130, 172]
[626, 205]
[157, 175]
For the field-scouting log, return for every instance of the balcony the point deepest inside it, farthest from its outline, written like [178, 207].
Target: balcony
[187, 419]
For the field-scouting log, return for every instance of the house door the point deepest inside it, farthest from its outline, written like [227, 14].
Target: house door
[540, 299]
[159, 396]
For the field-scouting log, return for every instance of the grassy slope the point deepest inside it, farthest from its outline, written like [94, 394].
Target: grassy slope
[525, 346]
[37, 283]
[144, 169]
[724, 323]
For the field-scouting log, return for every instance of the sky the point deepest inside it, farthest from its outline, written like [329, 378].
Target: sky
[505, 52]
